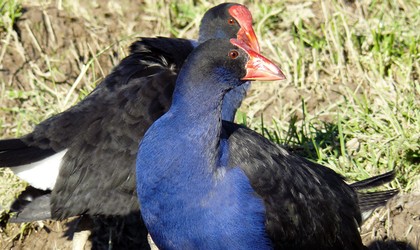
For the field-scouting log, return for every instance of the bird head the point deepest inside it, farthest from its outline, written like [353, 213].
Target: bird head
[219, 65]
[229, 20]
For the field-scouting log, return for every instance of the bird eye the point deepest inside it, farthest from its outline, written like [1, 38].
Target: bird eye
[231, 21]
[233, 54]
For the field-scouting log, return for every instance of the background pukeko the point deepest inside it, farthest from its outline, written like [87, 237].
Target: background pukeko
[209, 184]
[86, 154]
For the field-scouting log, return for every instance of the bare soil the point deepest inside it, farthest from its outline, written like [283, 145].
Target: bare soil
[397, 226]
[40, 235]
[46, 30]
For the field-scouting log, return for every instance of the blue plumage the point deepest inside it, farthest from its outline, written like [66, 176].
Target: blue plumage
[190, 198]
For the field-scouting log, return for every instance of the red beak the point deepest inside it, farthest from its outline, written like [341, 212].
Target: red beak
[246, 32]
[258, 67]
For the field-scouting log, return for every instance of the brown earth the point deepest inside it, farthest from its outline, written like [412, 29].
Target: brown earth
[69, 41]
[395, 227]
[40, 235]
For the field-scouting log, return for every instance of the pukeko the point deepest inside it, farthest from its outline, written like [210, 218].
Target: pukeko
[204, 183]
[86, 154]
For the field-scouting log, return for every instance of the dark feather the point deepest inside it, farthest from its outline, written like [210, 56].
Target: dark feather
[14, 156]
[301, 197]
[371, 200]
[37, 209]
[136, 93]
[374, 181]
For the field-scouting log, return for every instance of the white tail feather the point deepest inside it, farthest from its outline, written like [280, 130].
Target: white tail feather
[41, 174]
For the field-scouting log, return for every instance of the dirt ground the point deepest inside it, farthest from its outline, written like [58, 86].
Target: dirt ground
[45, 30]
[397, 226]
[40, 235]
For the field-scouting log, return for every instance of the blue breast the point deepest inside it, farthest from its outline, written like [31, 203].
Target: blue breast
[224, 215]
[187, 206]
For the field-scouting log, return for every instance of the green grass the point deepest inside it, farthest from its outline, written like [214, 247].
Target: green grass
[373, 60]
[10, 11]
[353, 71]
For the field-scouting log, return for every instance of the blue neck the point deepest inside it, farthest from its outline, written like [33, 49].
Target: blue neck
[233, 99]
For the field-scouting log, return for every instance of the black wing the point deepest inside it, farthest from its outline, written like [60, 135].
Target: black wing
[369, 201]
[98, 171]
[20, 151]
[305, 202]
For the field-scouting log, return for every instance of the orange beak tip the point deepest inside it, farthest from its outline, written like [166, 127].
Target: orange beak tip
[261, 68]
[263, 76]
